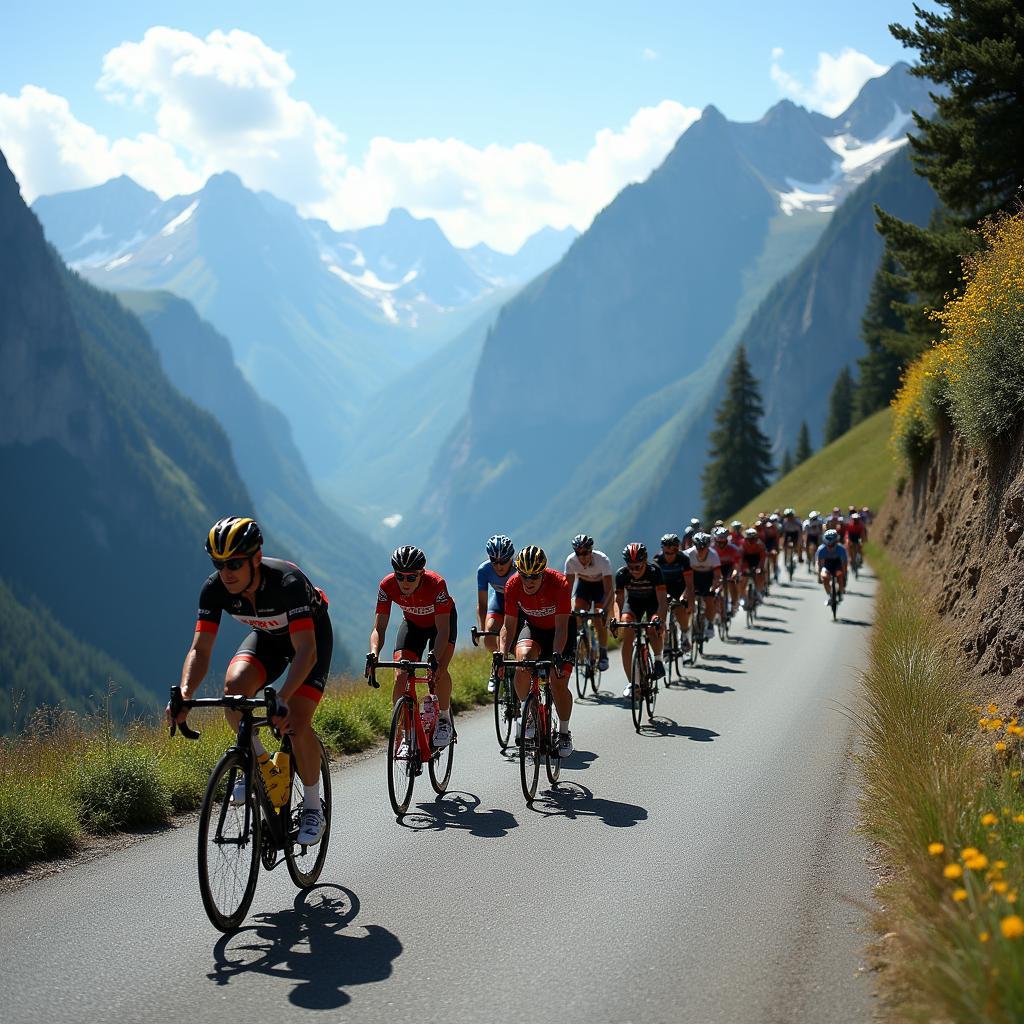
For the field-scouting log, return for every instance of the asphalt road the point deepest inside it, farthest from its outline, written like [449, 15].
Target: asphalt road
[705, 871]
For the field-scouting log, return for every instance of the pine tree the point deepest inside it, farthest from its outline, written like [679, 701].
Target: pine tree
[742, 466]
[840, 406]
[803, 444]
[787, 464]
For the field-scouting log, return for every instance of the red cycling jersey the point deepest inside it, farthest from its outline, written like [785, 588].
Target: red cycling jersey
[553, 598]
[855, 531]
[423, 605]
[753, 547]
[728, 554]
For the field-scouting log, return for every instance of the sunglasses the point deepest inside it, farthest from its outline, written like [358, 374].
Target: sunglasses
[636, 565]
[500, 561]
[231, 564]
[530, 575]
[407, 577]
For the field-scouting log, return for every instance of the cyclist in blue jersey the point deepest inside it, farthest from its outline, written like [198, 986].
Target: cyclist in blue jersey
[832, 561]
[678, 576]
[491, 577]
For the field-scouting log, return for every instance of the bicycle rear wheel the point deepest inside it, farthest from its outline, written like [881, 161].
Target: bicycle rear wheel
[403, 758]
[833, 600]
[582, 661]
[552, 762]
[650, 689]
[595, 673]
[306, 862]
[229, 845]
[671, 651]
[529, 749]
[636, 690]
[440, 766]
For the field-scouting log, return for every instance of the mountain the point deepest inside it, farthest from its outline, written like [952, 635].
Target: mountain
[198, 361]
[660, 289]
[540, 251]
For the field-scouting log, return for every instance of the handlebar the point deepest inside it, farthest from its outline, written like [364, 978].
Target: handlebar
[404, 665]
[475, 634]
[616, 624]
[589, 615]
[178, 704]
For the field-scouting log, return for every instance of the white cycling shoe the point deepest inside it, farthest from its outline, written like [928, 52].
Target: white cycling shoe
[442, 733]
[312, 827]
[531, 730]
[565, 747]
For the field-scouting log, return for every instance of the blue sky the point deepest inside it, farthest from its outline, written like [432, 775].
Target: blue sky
[549, 76]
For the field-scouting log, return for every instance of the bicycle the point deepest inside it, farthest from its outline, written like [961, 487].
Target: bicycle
[587, 672]
[539, 737]
[750, 600]
[674, 653]
[506, 703]
[790, 561]
[409, 746]
[234, 839]
[856, 562]
[833, 597]
[643, 689]
[723, 611]
[698, 626]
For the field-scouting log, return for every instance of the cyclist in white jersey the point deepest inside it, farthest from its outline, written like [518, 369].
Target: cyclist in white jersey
[591, 571]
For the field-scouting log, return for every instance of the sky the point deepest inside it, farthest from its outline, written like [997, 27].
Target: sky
[496, 119]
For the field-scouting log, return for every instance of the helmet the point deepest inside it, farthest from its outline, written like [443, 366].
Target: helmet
[721, 535]
[669, 539]
[813, 514]
[701, 541]
[774, 517]
[234, 537]
[852, 509]
[789, 512]
[407, 559]
[831, 538]
[719, 522]
[500, 548]
[531, 561]
[695, 523]
[855, 517]
[582, 541]
[635, 552]
[866, 509]
[836, 510]
[750, 533]
[735, 525]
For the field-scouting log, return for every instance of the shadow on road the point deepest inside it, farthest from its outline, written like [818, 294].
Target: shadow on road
[573, 800]
[771, 629]
[309, 946]
[661, 725]
[854, 622]
[720, 668]
[579, 760]
[750, 639]
[732, 658]
[769, 618]
[459, 810]
[693, 683]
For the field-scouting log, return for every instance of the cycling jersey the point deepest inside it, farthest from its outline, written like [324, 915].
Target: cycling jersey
[640, 587]
[285, 601]
[832, 558]
[703, 566]
[728, 554]
[599, 567]
[487, 578]
[673, 573]
[855, 531]
[813, 530]
[540, 609]
[791, 527]
[423, 605]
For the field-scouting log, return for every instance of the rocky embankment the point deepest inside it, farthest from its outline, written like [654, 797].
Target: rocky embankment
[958, 524]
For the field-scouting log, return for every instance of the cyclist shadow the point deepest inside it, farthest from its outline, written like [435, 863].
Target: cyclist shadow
[731, 658]
[459, 810]
[854, 622]
[693, 683]
[749, 639]
[662, 725]
[573, 800]
[579, 760]
[771, 629]
[720, 668]
[769, 618]
[307, 944]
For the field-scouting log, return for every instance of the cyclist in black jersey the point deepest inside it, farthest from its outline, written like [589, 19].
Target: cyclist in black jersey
[290, 630]
[675, 570]
[639, 594]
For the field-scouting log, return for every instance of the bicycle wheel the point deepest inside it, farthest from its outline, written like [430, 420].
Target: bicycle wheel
[529, 749]
[229, 846]
[650, 690]
[833, 600]
[636, 691]
[403, 758]
[697, 633]
[552, 762]
[504, 709]
[439, 768]
[306, 862]
[595, 673]
[671, 651]
[582, 661]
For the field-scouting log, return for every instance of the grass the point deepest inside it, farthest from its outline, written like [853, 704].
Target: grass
[67, 777]
[942, 801]
[857, 469]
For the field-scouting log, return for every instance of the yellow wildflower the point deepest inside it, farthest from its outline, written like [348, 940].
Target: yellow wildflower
[968, 852]
[936, 848]
[1000, 887]
[978, 863]
[993, 710]
[989, 819]
[984, 936]
[999, 865]
[959, 895]
[953, 871]
[1012, 927]
[999, 746]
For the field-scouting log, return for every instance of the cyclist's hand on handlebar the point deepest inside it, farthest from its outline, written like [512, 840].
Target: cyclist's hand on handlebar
[280, 718]
[368, 672]
[613, 627]
[498, 663]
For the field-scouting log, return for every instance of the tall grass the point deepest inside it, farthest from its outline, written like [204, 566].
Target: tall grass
[942, 801]
[67, 776]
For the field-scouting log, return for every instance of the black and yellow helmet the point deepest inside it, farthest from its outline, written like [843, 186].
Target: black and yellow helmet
[234, 537]
[531, 561]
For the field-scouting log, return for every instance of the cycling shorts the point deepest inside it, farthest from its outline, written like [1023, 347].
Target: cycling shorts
[273, 654]
[415, 639]
[751, 562]
[591, 591]
[728, 570]
[792, 537]
[771, 544]
[675, 589]
[703, 583]
[546, 638]
[639, 608]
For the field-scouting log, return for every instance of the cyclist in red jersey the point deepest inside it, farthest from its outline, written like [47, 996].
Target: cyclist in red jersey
[736, 533]
[539, 621]
[729, 556]
[430, 618]
[753, 560]
[856, 534]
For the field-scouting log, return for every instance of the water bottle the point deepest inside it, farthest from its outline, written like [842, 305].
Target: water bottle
[428, 713]
[282, 779]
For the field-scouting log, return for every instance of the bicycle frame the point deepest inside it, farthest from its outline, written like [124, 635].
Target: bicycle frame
[410, 668]
[535, 668]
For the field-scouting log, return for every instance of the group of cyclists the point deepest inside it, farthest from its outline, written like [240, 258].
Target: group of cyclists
[524, 607]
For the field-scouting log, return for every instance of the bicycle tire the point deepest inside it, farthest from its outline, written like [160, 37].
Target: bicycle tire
[439, 768]
[402, 771]
[303, 867]
[582, 661]
[636, 688]
[650, 690]
[833, 600]
[504, 709]
[697, 629]
[226, 910]
[671, 651]
[529, 750]
[595, 672]
[552, 760]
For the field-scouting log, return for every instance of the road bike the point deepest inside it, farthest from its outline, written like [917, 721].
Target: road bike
[643, 686]
[674, 653]
[235, 838]
[409, 746]
[724, 610]
[538, 738]
[750, 598]
[698, 629]
[587, 654]
[506, 703]
[833, 595]
[856, 561]
[790, 561]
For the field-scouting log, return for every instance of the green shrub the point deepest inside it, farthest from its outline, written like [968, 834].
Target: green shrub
[342, 726]
[120, 788]
[35, 824]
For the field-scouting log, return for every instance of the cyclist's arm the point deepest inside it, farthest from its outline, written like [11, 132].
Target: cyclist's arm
[197, 662]
[304, 645]
[617, 609]
[508, 629]
[570, 578]
[561, 632]
[443, 622]
[481, 608]
[662, 595]
[380, 625]
[608, 587]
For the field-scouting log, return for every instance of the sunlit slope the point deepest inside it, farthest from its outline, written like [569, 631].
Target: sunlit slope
[858, 469]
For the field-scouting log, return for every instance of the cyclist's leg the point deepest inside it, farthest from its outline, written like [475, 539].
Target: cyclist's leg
[442, 678]
[257, 661]
[626, 648]
[410, 644]
[559, 681]
[492, 622]
[301, 707]
[528, 648]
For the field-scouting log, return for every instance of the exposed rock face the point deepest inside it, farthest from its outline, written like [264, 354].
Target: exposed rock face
[959, 524]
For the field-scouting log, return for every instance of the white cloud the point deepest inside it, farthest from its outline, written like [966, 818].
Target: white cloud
[224, 103]
[649, 54]
[835, 82]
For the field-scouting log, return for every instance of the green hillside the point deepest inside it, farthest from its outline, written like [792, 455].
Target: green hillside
[858, 469]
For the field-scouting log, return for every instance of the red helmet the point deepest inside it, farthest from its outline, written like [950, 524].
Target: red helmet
[635, 552]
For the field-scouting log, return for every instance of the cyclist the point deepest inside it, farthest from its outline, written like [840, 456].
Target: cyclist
[290, 629]
[689, 532]
[771, 541]
[754, 559]
[539, 621]
[591, 571]
[491, 577]
[856, 534]
[729, 555]
[736, 533]
[675, 570]
[836, 522]
[791, 530]
[429, 619]
[832, 561]
[639, 594]
[813, 530]
[707, 578]
[867, 515]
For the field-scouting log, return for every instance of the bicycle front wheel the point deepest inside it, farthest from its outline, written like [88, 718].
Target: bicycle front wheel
[306, 862]
[403, 759]
[504, 709]
[440, 766]
[582, 663]
[650, 690]
[552, 762]
[636, 690]
[594, 673]
[229, 845]
[529, 749]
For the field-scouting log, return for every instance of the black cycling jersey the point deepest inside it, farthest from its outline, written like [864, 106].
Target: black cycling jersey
[639, 588]
[672, 572]
[286, 602]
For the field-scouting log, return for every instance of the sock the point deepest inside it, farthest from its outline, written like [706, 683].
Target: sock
[446, 713]
[563, 728]
[258, 748]
[311, 796]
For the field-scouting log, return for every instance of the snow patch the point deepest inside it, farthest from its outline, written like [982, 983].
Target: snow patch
[96, 234]
[371, 287]
[119, 262]
[182, 217]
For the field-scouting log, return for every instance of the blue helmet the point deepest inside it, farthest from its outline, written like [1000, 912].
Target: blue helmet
[831, 538]
[500, 548]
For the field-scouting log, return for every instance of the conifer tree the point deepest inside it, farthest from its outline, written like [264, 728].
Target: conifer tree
[803, 444]
[881, 328]
[742, 465]
[840, 406]
[787, 464]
